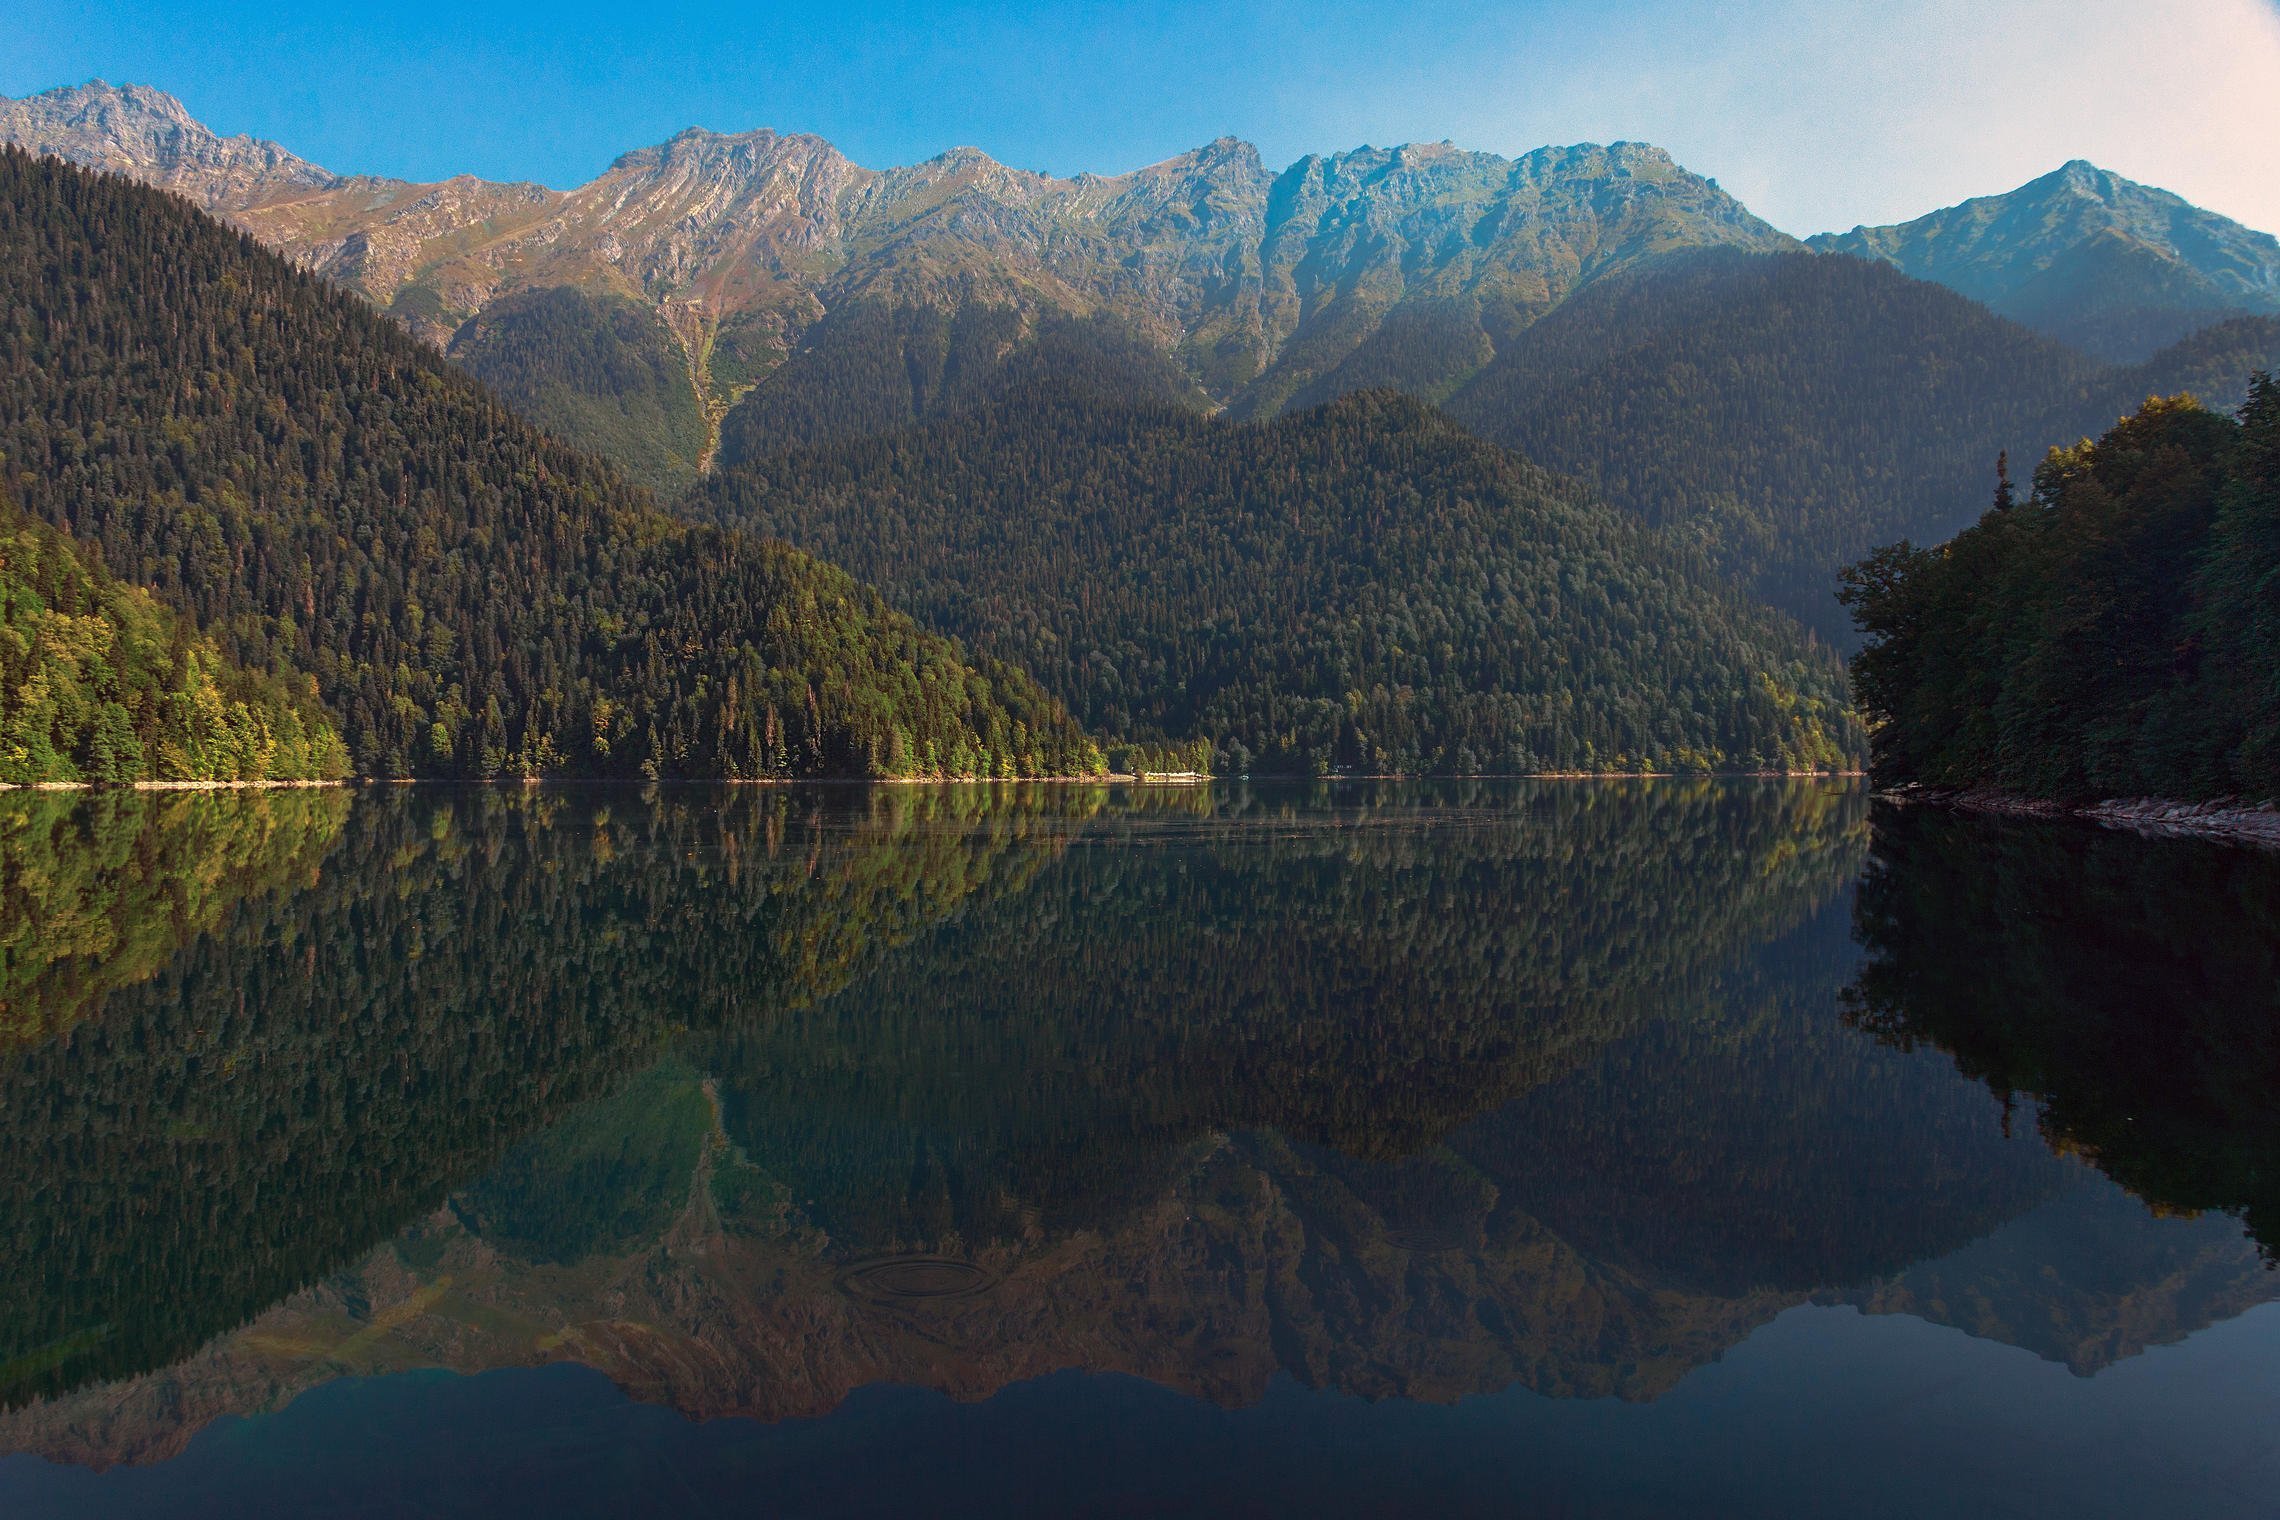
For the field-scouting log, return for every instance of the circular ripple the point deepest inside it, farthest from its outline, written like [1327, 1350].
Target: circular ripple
[1429, 1237]
[907, 1279]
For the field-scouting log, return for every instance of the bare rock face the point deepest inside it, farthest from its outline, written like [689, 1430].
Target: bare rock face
[146, 133]
[1257, 285]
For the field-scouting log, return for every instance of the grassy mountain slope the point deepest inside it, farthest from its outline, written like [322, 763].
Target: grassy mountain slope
[1362, 586]
[597, 369]
[324, 495]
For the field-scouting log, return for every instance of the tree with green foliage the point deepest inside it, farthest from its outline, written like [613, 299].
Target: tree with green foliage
[2118, 636]
[99, 682]
[327, 499]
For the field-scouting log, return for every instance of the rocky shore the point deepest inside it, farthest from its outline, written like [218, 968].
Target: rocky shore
[2233, 820]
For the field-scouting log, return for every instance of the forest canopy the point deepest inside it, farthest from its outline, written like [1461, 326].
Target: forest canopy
[99, 682]
[1361, 587]
[2116, 634]
[324, 498]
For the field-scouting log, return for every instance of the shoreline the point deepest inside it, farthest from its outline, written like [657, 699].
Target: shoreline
[161, 786]
[2232, 821]
[1181, 780]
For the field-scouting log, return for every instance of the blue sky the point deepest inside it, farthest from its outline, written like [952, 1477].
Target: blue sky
[1819, 113]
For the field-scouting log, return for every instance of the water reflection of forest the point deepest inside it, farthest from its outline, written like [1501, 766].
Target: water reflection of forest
[2122, 991]
[1415, 1092]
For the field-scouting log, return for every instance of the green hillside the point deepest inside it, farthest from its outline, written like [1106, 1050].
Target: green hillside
[597, 370]
[323, 495]
[1365, 586]
[1785, 413]
[99, 682]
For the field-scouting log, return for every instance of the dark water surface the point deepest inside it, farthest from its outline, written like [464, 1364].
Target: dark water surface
[1562, 1148]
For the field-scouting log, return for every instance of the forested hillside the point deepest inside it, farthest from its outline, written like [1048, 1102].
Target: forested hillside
[327, 498]
[1785, 413]
[2117, 635]
[878, 369]
[596, 370]
[1362, 586]
[98, 682]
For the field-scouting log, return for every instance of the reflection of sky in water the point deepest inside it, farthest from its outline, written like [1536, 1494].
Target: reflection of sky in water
[1822, 1412]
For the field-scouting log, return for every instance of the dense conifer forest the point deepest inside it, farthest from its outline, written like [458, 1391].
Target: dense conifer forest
[326, 498]
[99, 682]
[2114, 634]
[1365, 586]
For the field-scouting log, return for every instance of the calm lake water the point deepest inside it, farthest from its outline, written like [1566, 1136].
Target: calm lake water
[1545, 1148]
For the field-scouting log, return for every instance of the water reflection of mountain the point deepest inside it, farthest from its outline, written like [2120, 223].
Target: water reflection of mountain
[1360, 980]
[2127, 989]
[1540, 1087]
[261, 1106]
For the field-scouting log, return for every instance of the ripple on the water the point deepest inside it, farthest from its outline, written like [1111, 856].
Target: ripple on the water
[908, 1279]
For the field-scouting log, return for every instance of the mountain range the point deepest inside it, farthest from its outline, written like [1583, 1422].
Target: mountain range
[741, 246]
[1269, 288]
[743, 322]
[717, 299]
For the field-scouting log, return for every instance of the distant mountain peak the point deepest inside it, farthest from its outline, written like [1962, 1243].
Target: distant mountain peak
[2083, 254]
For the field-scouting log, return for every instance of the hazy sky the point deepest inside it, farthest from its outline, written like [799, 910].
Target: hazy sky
[1818, 113]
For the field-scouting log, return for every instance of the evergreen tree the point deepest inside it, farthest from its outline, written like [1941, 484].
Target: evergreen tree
[2117, 638]
[328, 500]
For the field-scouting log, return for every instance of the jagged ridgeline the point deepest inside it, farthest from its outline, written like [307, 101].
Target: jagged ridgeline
[328, 499]
[2117, 269]
[2128, 989]
[1362, 586]
[2114, 636]
[101, 682]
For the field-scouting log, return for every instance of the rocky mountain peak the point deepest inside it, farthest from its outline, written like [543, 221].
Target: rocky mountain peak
[151, 136]
[2088, 256]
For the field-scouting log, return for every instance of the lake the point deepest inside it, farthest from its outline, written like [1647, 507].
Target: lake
[1570, 1148]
